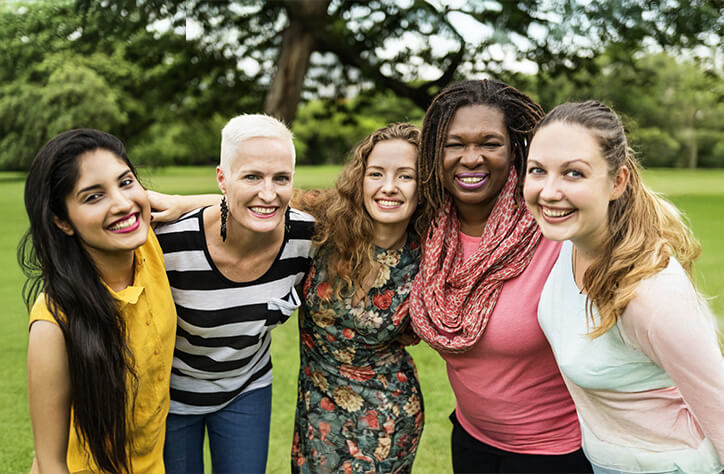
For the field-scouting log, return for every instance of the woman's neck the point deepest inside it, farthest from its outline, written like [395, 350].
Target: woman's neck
[473, 217]
[388, 236]
[116, 270]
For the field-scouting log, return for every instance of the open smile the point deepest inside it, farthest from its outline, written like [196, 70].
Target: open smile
[264, 212]
[552, 214]
[126, 224]
[388, 203]
[470, 181]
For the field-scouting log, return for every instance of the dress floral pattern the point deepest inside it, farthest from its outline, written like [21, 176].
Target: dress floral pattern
[359, 405]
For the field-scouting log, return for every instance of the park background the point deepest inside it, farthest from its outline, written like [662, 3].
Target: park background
[165, 76]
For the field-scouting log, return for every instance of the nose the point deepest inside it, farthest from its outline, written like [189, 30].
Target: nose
[268, 192]
[121, 202]
[471, 157]
[389, 186]
[550, 189]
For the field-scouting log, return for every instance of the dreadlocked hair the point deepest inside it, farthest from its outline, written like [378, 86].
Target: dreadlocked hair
[644, 229]
[521, 114]
[344, 228]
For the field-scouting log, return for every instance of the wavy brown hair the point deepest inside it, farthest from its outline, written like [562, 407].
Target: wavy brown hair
[644, 229]
[344, 227]
[521, 115]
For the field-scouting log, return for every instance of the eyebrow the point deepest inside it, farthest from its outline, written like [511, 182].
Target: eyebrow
[98, 186]
[565, 163]
[485, 135]
[576, 160]
[397, 169]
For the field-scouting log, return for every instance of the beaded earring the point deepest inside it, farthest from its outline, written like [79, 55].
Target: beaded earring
[224, 213]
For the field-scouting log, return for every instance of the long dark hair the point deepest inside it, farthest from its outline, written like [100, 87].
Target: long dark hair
[101, 363]
[521, 115]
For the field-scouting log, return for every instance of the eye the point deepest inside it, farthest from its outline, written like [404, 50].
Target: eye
[251, 177]
[90, 198]
[493, 144]
[573, 174]
[126, 182]
[282, 179]
[374, 174]
[533, 170]
[453, 145]
[407, 177]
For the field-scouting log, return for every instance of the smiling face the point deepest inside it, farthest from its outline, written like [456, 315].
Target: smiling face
[568, 185]
[258, 186]
[108, 209]
[389, 187]
[477, 159]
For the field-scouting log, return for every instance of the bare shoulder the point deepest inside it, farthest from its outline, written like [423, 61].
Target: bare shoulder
[46, 345]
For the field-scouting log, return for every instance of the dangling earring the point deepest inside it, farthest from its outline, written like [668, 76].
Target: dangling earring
[224, 213]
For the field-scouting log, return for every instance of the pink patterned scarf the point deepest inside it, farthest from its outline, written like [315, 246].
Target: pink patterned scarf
[451, 299]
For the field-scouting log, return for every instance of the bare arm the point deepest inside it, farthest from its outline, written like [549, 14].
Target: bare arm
[49, 396]
[169, 207]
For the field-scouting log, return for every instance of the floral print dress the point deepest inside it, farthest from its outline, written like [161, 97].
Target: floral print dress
[359, 406]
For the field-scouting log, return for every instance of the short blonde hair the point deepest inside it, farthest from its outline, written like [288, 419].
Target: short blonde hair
[246, 126]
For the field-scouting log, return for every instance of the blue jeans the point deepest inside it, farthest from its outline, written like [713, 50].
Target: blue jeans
[238, 436]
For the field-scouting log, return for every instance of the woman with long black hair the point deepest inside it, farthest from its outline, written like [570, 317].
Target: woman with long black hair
[102, 321]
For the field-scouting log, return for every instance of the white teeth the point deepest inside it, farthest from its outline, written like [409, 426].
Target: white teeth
[125, 223]
[556, 212]
[385, 202]
[471, 179]
[264, 210]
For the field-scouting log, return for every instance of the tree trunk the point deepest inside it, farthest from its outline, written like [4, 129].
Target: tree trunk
[306, 19]
[693, 145]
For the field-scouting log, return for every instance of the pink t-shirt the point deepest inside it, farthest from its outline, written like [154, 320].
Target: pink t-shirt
[508, 388]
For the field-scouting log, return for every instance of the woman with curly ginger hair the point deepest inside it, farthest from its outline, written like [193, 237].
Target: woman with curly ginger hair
[634, 340]
[359, 404]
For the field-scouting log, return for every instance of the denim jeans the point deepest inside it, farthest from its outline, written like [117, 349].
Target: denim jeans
[238, 436]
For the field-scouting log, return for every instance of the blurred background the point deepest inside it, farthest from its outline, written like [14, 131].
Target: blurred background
[165, 75]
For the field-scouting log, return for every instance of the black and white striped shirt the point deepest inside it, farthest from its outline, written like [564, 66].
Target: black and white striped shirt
[223, 335]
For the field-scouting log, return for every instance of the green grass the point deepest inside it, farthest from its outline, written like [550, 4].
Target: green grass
[700, 194]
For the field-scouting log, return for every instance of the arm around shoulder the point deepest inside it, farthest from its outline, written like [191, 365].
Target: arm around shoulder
[169, 207]
[49, 396]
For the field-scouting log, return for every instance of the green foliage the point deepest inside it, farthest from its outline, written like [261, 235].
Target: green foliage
[112, 69]
[673, 109]
[656, 148]
[327, 130]
[69, 94]
[129, 67]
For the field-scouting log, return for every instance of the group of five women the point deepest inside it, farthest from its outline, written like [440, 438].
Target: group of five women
[523, 247]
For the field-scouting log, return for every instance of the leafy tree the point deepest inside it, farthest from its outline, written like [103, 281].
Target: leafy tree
[328, 46]
[147, 84]
[327, 130]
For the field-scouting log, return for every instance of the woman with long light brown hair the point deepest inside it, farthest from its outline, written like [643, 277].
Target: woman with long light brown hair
[635, 341]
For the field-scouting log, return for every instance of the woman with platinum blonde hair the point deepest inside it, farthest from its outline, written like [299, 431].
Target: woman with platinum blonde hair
[635, 341]
[233, 267]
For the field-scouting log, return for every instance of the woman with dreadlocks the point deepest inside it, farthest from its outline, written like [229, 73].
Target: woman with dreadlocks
[483, 268]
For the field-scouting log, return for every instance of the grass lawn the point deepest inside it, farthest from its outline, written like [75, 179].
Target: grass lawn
[700, 194]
